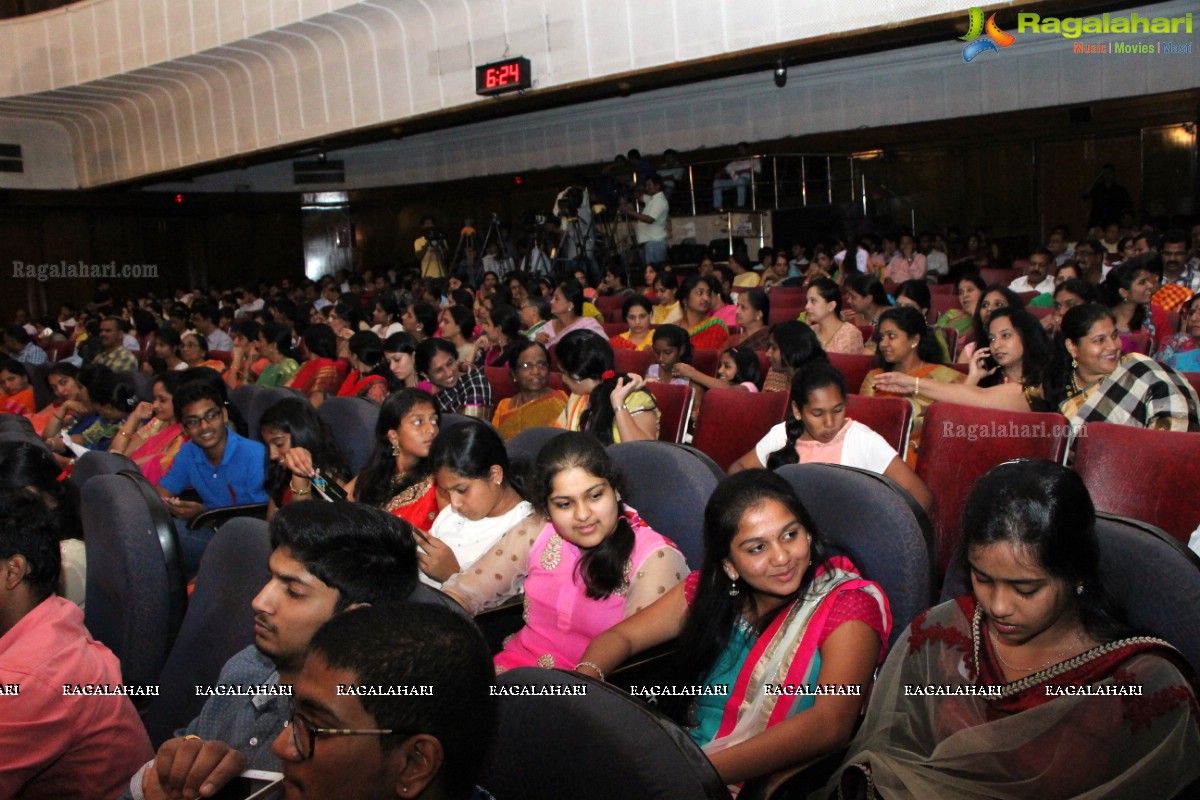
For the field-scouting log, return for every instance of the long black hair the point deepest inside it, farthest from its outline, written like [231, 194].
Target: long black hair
[471, 449]
[26, 466]
[321, 341]
[746, 366]
[374, 484]
[296, 416]
[589, 356]
[1038, 358]
[797, 344]
[508, 320]
[807, 379]
[603, 567]
[1014, 301]
[913, 323]
[1044, 509]
[714, 613]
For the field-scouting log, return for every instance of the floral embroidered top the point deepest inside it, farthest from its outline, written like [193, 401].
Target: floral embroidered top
[560, 619]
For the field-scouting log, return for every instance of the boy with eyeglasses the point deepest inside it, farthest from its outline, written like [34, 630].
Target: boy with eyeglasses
[393, 701]
[225, 469]
[326, 558]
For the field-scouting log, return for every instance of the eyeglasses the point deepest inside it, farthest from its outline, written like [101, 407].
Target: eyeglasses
[304, 733]
[527, 365]
[212, 415]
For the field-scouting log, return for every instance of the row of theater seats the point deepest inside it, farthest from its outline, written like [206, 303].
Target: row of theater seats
[136, 606]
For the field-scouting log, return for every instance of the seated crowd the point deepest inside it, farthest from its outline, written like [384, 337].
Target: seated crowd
[377, 585]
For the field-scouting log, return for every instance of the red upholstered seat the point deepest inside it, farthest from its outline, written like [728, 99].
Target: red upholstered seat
[959, 444]
[890, 417]
[783, 312]
[675, 404]
[943, 288]
[732, 422]
[706, 361]
[226, 357]
[1144, 474]
[554, 381]
[867, 331]
[1193, 378]
[1141, 341]
[60, 350]
[605, 302]
[1003, 277]
[854, 368]
[941, 303]
[951, 337]
[612, 329]
[788, 295]
[502, 382]
[633, 362]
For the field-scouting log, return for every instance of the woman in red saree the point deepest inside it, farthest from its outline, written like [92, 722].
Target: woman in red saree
[767, 609]
[368, 376]
[320, 373]
[397, 477]
[706, 331]
[1031, 686]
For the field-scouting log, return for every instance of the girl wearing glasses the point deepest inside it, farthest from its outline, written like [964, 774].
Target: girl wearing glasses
[595, 563]
[535, 405]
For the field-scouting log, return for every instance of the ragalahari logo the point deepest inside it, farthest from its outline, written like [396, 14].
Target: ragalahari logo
[995, 36]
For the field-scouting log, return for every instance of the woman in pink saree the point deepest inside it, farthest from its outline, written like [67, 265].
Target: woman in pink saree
[150, 434]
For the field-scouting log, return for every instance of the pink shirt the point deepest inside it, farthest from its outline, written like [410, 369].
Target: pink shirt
[899, 269]
[57, 747]
[560, 619]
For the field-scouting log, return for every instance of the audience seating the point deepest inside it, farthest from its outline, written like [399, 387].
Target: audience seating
[1154, 579]
[951, 337]
[890, 417]
[943, 288]
[880, 527]
[1143, 474]
[788, 295]
[1041, 312]
[224, 356]
[732, 422]
[669, 487]
[526, 444]
[611, 329]
[242, 398]
[867, 331]
[706, 361]
[501, 381]
[785, 312]
[135, 584]
[57, 351]
[853, 368]
[599, 745]
[941, 303]
[1141, 341]
[612, 315]
[219, 623]
[1194, 379]
[606, 302]
[675, 405]
[959, 444]
[353, 421]
[264, 398]
[633, 362]
[1027, 296]
[94, 463]
[1003, 277]
[554, 381]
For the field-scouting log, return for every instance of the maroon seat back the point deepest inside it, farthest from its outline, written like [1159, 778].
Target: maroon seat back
[554, 381]
[941, 303]
[732, 422]
[1003, 277]
[959, 444]
[890, 417]
[633, 362]
[1145, 474]
[502, 382]
[853, 368]
[706, 361]
[784, 312]
[1193, 379]
[674, 403]
[1141, 341]
[612, 329]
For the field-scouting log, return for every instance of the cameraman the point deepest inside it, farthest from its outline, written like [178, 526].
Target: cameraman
[651, 222]
[430, 248]
[573, 208]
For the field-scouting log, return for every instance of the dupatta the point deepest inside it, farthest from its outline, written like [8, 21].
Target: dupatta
[784, 655]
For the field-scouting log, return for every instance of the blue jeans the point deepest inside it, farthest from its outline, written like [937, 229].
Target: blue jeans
[654, 252]
[721, 184]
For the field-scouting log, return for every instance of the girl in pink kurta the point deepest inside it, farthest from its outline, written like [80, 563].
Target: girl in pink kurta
[594, 563]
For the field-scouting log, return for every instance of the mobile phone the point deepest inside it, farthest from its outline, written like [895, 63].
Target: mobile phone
[327, 488]
[253, 784]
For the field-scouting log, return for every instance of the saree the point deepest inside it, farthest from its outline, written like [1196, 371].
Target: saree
[624, 341]
[786, 655]
[510, 420]
[416, 504]
[710, 334]
[1139, 392]
[956, 319]
[760, 340]
[1050, 735]
[933, 372]
[155, 452]
[572, 414]
[278, 374]
[372, 387]
[317, 375]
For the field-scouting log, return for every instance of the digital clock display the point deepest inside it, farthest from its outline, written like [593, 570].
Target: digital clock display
[511, 75]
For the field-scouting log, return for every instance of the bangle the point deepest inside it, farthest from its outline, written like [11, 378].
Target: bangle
[126, 434]
[599, 671]
[296, 492]
[917, 387]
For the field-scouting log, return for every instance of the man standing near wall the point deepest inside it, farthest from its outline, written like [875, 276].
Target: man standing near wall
[651, 222]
